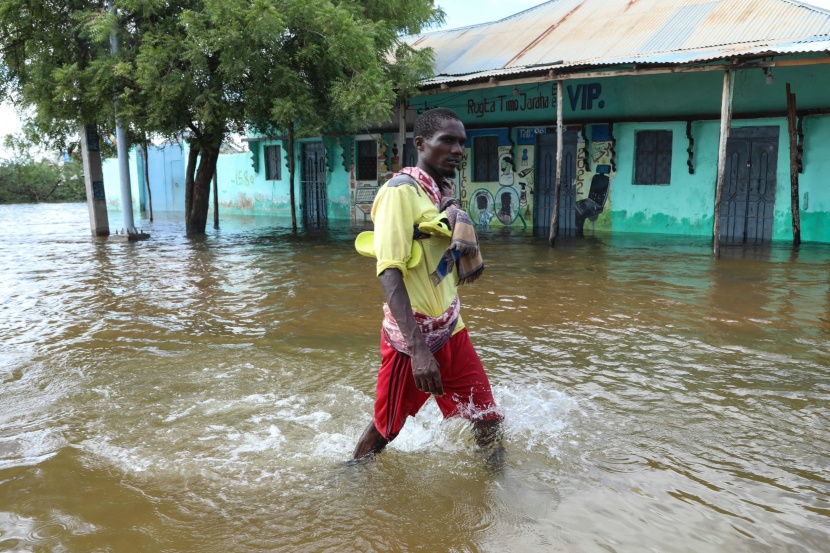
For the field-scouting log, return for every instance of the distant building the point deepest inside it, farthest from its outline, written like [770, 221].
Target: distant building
[642, 97]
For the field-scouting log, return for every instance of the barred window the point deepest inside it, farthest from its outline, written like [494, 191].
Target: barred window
[486, 158]
[367, 160]
[652, 164]
[273, 166]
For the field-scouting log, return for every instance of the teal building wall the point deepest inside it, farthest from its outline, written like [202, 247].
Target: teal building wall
[518, 115]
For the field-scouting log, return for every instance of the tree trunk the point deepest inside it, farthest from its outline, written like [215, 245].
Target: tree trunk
[197, 187]
[197, 219]
[189, 172]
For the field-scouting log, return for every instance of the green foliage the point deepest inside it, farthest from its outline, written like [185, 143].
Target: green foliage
[203, 68]
[24, 180]
[209, 65]
[52, 58]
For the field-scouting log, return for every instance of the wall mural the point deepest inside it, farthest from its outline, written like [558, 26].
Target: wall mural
[595, 170]
[507, 202]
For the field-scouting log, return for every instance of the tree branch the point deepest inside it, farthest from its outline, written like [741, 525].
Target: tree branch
[52, 191]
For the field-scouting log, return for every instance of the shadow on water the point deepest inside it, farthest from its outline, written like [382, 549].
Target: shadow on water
[186, 394]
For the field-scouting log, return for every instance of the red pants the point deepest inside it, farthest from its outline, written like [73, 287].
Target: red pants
[466, 388]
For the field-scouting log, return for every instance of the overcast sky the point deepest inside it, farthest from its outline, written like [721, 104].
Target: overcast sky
[461, 13]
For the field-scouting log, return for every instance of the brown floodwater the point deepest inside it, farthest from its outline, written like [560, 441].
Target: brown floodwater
[204, 395]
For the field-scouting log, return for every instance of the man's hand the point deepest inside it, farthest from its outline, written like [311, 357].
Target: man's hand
[427, 373]
[424, 366]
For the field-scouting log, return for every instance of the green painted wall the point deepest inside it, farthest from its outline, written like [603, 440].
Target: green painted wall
[684, 207]
[670, 95]
[244, 191]
[814, 184]
[337, 183]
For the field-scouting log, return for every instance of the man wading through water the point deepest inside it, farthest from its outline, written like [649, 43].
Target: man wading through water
[425, 247]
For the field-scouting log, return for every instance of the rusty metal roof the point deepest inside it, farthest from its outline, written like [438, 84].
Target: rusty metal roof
[584, 33]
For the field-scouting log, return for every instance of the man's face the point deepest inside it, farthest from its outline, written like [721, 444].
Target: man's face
[440, 155]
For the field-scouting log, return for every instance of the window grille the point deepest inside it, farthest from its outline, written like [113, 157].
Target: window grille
[273, 166]
[486, 159]
[367, 160]
[652, 164]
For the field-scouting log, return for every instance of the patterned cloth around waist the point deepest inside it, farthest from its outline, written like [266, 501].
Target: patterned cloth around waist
[436, 330]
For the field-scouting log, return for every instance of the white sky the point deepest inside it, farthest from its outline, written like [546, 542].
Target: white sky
[461, 13]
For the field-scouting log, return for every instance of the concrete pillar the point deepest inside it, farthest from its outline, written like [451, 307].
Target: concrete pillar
[123, 150]
[96, 199]
[124, 173]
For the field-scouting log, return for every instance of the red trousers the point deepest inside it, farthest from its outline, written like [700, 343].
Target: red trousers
[466, 388]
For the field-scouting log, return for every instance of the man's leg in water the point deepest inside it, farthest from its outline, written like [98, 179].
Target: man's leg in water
[396, 398]
[370, 443]
[487, 433]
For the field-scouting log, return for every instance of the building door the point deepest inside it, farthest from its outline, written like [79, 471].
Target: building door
[545, 181]
[314, 184]
[748, 200]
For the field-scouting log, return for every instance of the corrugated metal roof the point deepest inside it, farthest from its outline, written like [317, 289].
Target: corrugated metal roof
[568, 33]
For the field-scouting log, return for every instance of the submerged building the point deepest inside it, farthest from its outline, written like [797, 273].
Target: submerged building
[626, 100]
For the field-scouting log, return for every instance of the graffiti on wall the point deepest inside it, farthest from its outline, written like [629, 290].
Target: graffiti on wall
[507, 202]
[384, 173]
[504, 202]
[243, 178]
[595, 171]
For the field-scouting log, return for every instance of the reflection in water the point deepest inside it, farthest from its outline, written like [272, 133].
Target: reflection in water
[202, 395]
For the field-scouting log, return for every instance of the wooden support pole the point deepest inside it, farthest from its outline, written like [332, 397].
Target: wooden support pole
[725, 124]
[554, 217]
[793, 131]
[401, 129]
[145, 143]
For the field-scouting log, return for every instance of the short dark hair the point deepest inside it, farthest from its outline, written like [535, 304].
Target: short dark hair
[431, 120]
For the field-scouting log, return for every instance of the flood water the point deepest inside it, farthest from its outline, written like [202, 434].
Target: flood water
[203, 395]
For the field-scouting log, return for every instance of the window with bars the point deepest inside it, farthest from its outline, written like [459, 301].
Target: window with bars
[273, 166]
[367, 160]
[652, 162]
[486, 158]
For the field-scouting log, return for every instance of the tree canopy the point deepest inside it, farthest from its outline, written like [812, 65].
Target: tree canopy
[204, 68]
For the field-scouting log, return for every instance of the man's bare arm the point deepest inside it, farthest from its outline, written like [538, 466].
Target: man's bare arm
[424, 366]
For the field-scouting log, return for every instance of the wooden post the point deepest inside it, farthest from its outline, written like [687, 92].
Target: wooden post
[401, 130]
[554, 217]
[725, 124]
[791, 126]
[147, 174]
